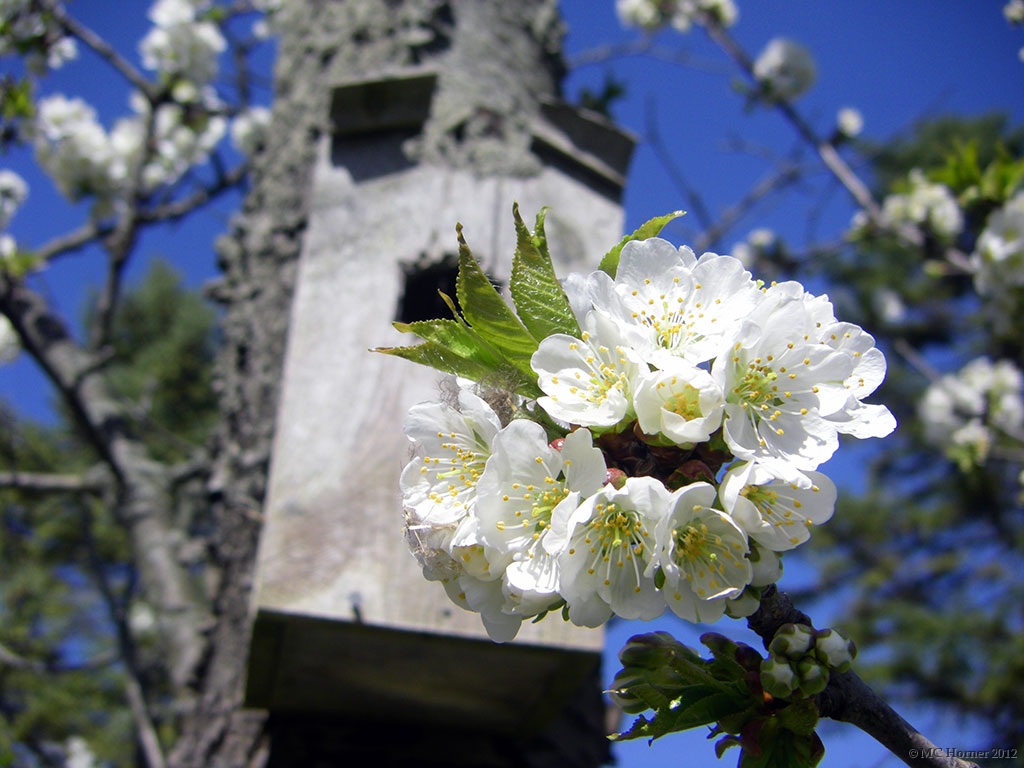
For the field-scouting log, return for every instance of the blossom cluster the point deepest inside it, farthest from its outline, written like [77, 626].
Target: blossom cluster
[927, 204]
[27, 29]
[85, 159]
[681, 14]
[670, 458]
[182, 47]
[998, 257]
[965, 414]
[162, 138]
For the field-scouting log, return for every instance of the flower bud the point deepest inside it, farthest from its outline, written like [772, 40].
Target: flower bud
[778, 678]
[743, 605]
[766, 565]
[834, 650]
[615, 477]
[654, 650]
[558, 443]
[792, 641]
[813, 676]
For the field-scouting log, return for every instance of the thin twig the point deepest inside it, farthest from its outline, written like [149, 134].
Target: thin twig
[102, 48]
[149, 741]
[41, 482]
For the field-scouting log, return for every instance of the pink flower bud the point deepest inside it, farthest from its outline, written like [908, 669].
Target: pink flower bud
[615, 476]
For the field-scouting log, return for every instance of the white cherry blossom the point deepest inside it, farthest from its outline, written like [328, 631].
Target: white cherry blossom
[669, 304]
[776, 514]
[525, 479]
[605, 548]
[779, 380]
[702, 554]
[586, 381]
[439, 484]
[681, 402]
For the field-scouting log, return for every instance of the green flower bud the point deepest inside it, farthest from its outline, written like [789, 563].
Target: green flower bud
[813, 675]
[834, 650]
[742, 606]
[654, 650]
[792, 641]
[778, 678]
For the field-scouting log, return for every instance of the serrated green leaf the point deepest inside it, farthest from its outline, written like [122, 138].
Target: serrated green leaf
[457, 337]
[695, 706]
[439, 357]
[636, 731]
[453, 347]
[488, 314]
[540, 301]
[651, 228]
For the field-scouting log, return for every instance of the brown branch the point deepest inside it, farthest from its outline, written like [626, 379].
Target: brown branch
[149, 741]
[141, 485]
[17, 661]
[782, 178]
[643, 47]
[849, 699]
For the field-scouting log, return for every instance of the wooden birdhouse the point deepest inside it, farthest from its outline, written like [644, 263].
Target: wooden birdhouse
[345, 623]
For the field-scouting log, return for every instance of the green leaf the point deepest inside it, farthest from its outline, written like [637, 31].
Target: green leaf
[453, 347]
[440, 357]
[457, 337]
[695, 706]
[780, 748]
[652, 228]
[488, 314]
[540, 301]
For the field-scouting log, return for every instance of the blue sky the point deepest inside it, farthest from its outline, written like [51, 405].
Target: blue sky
[897, 62]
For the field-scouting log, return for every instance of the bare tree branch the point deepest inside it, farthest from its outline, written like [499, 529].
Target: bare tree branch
[149, 741]
[93, 482]
[642, 47]
[102, 48]
[16, 661]
[142, 486]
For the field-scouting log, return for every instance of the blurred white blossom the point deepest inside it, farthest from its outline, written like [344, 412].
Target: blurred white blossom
[83, 159]
[785, 70]
[998, 257]
[926, 204]
[849, 122]
[1014, 11]
[963, 413]
[681, 14]
[13, 191]
[73, 148]
[182, 48]
[29, 31]
[78, 754]
[249, 129]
